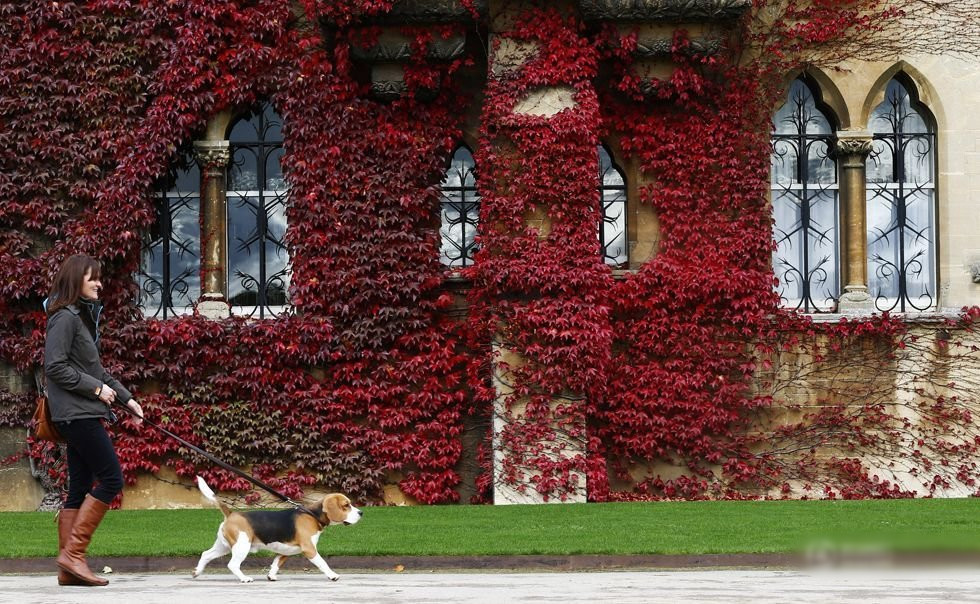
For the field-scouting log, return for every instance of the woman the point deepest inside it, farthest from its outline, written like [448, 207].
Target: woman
[80, 393]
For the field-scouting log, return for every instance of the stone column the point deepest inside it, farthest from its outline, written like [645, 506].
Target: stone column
[852, 151]
[212, 157]
[563, 436]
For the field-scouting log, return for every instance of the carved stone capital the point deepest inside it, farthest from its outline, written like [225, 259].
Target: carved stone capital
[663, 10]
[854, 145]
[212, 156]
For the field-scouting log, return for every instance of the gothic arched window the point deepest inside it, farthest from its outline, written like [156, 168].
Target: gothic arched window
[460, 210]
[612, 197]
[902, 202]
[170, 267]
[805, 203]
[258, 263]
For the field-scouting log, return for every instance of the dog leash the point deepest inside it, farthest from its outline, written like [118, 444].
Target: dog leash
[299, 507]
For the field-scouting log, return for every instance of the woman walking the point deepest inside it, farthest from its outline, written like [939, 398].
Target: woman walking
[80, 393]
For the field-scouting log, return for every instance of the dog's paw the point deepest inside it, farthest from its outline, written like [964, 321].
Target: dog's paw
[195, 574]
[334, 577]
[272, 578]
[247, 579]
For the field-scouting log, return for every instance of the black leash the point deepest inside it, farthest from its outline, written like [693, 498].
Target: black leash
[218, 462]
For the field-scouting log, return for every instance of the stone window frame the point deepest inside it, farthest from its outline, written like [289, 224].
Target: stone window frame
[854, 145]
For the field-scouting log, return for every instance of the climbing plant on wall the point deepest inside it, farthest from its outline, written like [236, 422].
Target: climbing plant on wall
[369, 378]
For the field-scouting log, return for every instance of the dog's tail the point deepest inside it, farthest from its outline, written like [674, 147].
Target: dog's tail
[209, 495]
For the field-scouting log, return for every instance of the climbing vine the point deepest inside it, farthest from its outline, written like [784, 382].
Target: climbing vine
[595, 378]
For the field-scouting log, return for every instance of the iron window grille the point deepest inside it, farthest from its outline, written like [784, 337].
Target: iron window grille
[169, 277]
[805, 203]
[612, 197]
[257, 192]
[460, 211]
[902, 203]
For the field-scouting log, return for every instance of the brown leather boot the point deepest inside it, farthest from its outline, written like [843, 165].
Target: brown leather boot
[72, 558]
[66, 519]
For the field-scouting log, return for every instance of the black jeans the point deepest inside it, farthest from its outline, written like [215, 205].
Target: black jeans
[91, 457]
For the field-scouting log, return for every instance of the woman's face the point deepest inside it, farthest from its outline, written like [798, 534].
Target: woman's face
[90, 287]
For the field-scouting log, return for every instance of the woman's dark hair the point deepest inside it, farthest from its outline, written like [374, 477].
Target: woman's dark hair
[66, 288]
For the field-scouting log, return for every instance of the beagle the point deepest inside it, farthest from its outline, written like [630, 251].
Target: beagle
[285, 532]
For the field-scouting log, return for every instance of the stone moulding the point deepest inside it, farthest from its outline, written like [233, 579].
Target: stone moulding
[388, 90]
[431, 11]
[663, 10]
[400, 50]
[646, 49]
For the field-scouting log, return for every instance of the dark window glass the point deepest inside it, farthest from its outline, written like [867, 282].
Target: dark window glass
[170, 267]
[258, 271]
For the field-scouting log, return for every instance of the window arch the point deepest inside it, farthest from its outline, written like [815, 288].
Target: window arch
[460, 210]
[257, 192]
[901, 204]
[170, 265]
[805, 201]
[612, 198]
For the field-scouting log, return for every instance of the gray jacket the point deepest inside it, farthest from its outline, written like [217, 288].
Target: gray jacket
[73, 369]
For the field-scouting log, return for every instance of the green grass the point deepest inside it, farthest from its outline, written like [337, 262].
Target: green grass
[919, 525]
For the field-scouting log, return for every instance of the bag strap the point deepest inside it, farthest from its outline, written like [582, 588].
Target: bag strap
[39, 379]
[220, 463]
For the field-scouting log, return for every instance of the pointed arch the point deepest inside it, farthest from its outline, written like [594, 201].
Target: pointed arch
[925, 93]
[826, 94]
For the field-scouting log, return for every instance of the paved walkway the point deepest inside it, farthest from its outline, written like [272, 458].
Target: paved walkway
[925, 585]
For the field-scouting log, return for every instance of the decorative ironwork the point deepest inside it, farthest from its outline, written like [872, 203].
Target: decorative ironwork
[805, 204]
[663, 10]
[902, 203]
[169, 277]
[257, 194]
[460, 211]
[612, 196]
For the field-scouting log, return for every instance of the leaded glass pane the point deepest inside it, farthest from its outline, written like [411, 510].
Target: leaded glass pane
[258, 263]
[901, 204]
[805, 204]
[169, 277]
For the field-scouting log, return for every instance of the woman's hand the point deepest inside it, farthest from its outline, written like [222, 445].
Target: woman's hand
[107, 394]
[136, 409]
